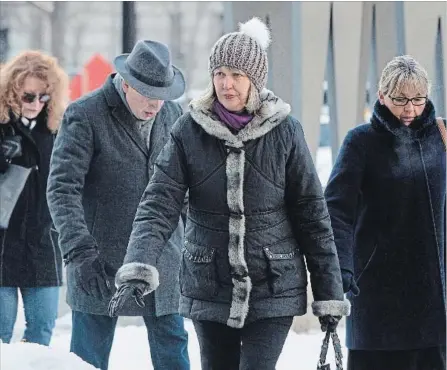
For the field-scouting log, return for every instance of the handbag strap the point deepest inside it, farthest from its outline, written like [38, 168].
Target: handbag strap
[337, 349]
[442, 131]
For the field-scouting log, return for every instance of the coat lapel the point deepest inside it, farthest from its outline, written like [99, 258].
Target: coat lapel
[122, 114]
[159, 132]
[126, 120]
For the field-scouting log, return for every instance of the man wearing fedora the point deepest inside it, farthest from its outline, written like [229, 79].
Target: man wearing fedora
[102, 161]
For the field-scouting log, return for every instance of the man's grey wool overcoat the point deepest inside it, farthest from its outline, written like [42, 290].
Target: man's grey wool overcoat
[100, 167]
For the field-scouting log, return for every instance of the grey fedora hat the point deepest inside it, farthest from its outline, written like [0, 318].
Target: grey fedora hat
[148, 69]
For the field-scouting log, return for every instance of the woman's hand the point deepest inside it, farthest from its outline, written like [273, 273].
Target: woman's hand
[329, 323]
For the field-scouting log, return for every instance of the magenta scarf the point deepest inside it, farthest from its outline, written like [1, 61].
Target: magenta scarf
[235, 121]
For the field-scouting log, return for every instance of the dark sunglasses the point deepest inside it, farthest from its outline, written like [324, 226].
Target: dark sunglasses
[31, 97]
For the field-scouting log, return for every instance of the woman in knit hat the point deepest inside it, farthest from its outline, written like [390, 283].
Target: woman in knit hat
[256, 210]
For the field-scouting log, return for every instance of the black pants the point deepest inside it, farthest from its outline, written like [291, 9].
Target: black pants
[432, 358]
[256, 346]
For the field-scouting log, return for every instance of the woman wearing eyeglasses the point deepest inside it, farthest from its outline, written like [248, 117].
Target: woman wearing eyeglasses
[386, 198]
[33, 95]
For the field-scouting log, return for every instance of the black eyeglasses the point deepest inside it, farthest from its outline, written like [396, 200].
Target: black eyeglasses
[401, 102]
[31, 97]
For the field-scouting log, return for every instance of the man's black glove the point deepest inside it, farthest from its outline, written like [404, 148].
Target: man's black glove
[127, 290]
[329, 323]
[349, 282]
[91, 272]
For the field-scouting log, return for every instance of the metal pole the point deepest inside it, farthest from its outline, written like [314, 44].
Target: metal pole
[331, 91]
[129, 26]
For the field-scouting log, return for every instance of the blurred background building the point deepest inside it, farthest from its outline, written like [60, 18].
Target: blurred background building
[74, 31]
[325, 59]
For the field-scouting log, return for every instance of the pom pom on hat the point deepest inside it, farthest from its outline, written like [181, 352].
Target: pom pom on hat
[258, 30]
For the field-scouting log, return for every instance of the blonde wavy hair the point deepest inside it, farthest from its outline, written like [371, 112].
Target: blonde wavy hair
[401, 72]
[33, 64]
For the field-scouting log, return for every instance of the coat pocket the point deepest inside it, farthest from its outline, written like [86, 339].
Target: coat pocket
[367, 265]
[286, 267]
[198, 271]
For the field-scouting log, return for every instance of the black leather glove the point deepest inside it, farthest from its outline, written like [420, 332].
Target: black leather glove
[349, 282]
[91, 272]
[329, 323]
[127, 290]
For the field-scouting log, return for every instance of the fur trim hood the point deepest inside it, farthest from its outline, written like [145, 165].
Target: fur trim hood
[271, 113]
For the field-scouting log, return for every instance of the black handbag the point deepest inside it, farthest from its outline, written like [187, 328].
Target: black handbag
[12, 183]
[324, 348]
[13, 180]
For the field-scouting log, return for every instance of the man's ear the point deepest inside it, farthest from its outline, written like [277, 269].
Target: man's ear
[381, 97]
[125, 87]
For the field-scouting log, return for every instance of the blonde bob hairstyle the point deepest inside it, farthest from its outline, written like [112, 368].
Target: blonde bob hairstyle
[41, 66]
[403, 72]
[209, 95]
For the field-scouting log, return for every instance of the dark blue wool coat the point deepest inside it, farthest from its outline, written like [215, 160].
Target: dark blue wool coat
[386, 197]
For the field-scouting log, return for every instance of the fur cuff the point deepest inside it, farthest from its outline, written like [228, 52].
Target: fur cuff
[333, 308]
[138, 271]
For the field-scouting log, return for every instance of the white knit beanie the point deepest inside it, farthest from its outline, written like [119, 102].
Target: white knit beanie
[245, 50]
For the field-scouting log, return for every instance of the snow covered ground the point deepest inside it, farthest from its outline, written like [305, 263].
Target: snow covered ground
[130, 348]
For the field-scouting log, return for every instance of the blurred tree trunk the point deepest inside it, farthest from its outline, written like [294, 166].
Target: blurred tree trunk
[37, 30]
[58, 19]
[175, 36]
[56, 14]
[191, 44]
[79, 27]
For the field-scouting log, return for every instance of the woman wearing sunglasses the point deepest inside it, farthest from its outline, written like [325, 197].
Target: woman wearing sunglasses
[33, 95]
[386, 197]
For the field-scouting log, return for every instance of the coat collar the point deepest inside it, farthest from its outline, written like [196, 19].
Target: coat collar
[122, 114]
[272, 112]
[112, 96]
[383, 119]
